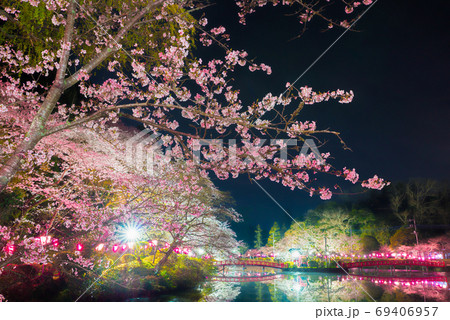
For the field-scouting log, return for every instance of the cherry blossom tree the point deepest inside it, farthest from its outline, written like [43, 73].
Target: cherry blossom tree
[77, 213]
[131, 59]
[195, 218]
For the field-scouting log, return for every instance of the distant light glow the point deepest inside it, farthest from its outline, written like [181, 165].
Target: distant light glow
[100, 247]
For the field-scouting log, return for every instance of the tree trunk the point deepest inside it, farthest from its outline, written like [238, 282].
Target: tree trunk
[10, 168]
[163, 261]
[34, 135]
[37, 127]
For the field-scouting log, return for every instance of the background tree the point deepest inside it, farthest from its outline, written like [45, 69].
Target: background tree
[332, 222]
[258, 237]
[274, 235]
[422, 198]
[403, 236]
[283, 230]
[397, 202]
[365, 223]
[369, 244]
[243, 248]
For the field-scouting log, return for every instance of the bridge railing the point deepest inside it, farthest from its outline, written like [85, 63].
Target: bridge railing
[374, 263]
[250, 263]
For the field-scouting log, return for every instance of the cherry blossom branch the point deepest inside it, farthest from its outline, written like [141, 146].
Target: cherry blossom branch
[108, 51]
[95, 116]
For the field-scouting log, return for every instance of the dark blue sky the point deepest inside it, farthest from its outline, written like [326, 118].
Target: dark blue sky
[397, 65]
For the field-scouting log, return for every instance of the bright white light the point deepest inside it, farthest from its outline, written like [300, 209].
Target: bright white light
[132, 234]
[200, 251]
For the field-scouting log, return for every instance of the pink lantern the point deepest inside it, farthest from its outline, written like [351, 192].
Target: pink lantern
[45, 239]
[79, 247]
[115, 248]
[10, 249]
[124, 247]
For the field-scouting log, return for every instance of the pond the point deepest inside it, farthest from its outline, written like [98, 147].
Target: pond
[295, 286]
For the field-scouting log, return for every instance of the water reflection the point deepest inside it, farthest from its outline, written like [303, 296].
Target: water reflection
[327, 287]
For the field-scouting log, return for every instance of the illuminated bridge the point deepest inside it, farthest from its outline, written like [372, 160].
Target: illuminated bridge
[258, 263]
[377, 263]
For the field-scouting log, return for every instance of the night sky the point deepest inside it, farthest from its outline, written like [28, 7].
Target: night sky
[397, 65]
